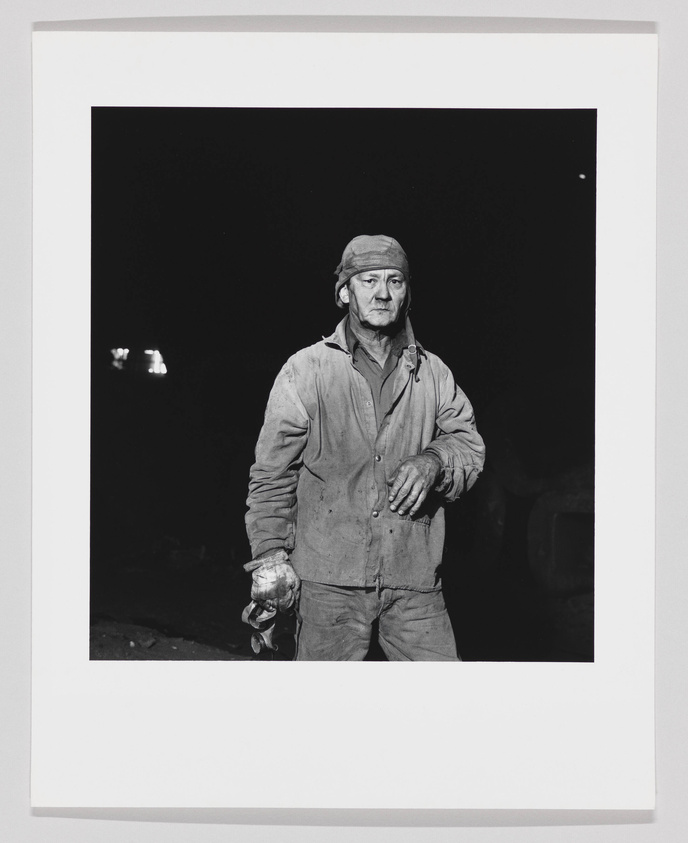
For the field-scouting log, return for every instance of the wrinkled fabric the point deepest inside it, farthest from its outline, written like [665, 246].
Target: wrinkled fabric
[380, 378]
[319, 486]
[335, 624]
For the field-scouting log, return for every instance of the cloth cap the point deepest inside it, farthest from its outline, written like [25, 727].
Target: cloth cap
[370, 251]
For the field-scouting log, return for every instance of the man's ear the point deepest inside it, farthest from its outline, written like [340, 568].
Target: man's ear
[344, 294]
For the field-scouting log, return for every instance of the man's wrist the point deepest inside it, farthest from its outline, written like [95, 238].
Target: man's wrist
[268, 559]
[440, 479]
[271, 552]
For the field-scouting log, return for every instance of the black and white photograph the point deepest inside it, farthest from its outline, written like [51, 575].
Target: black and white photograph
[343, 384]
[341, 358]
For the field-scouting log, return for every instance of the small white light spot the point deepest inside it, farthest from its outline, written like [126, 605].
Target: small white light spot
[157, 366]
[581, 175]
[119, 356]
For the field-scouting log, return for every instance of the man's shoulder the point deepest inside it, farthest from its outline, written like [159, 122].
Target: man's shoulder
[312, 356]
[432, 359]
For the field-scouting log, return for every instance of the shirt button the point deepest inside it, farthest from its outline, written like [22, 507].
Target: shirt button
[377, 458]
[375, 513]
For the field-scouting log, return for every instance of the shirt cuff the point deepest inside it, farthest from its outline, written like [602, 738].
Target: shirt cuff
[444, 478]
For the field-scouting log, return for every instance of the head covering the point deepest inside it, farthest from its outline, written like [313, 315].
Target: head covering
[370, 251]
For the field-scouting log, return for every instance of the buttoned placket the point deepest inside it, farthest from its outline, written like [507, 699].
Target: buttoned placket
[407, 367]
[378, 438]
[365, 396]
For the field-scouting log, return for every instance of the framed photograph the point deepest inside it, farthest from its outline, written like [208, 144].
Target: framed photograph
[194, 193]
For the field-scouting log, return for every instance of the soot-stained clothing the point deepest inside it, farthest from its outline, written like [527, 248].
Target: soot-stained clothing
[320, 484]
[380, 378]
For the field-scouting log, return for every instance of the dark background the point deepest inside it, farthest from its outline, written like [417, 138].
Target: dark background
[215, 235]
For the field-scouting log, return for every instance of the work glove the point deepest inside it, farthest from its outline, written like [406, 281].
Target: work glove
[263, 621]
[276, 584]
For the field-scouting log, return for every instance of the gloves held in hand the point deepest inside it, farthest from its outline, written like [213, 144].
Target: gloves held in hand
[276, 584]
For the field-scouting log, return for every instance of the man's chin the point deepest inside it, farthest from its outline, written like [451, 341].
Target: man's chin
[380, 322]
[381, 318]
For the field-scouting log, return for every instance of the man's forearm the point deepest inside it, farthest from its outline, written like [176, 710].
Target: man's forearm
[270, 520]
[462, 456]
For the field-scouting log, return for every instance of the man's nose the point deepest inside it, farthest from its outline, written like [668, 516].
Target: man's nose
[382, 291]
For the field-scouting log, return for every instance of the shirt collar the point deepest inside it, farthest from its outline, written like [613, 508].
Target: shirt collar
[339, 338]
[399, 340]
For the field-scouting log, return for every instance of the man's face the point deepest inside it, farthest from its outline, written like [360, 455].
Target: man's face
[375, 298]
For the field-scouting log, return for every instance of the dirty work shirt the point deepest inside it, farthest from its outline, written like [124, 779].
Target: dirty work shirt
[319, 485]
[379, 377]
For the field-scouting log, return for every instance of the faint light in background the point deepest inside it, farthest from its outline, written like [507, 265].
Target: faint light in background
[119, 356]
[149, 362]
[156, 364]
[581, 175]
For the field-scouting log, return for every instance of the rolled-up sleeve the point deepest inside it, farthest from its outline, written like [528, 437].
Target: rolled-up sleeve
[271, 516]
[457, 443]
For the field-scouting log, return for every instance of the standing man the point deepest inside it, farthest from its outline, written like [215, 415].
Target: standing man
[366, 438]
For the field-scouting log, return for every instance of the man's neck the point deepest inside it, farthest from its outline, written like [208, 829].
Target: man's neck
[377, 343]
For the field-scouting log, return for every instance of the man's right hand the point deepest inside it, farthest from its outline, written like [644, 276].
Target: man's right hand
[276, 584]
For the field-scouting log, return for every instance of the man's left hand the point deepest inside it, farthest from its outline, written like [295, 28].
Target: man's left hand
[412, 481]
